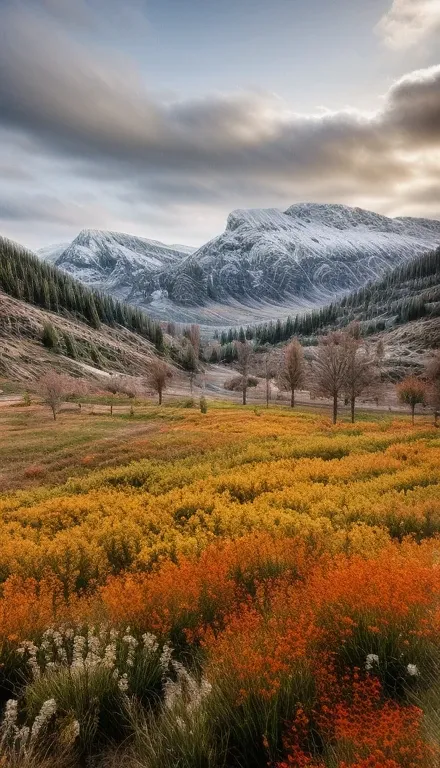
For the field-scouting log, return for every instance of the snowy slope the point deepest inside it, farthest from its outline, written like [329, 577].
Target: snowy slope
[266, 264]
[113, 261]
[307, 255]
[51, 253]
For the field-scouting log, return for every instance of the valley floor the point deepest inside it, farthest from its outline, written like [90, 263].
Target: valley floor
[240, 588]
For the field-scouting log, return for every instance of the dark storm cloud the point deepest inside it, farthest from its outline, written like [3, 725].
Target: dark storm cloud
[413, 107]
[93, 110]
[81, 105]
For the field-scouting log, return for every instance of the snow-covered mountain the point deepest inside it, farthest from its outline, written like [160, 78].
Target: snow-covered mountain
[114, 262]
[310, 251]
[51, 253]
[266, 264]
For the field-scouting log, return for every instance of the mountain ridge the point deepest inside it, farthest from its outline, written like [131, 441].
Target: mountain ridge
[267, 263]
[112, 261]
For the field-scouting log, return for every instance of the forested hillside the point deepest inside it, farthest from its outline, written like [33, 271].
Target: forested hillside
[409, 292]
[25, 277]
[48, 320]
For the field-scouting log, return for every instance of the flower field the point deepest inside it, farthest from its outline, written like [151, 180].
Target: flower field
[254, 588]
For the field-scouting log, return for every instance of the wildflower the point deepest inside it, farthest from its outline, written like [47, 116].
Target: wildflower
[150, 643]
[109, 659]
[371, 660]
[9, 721]
[165, 657]
[123, 683]
[93, 657]
[47, 710]
[32, 650]
[79, 644]
[412, 670]
[132, 644]
[185, 691]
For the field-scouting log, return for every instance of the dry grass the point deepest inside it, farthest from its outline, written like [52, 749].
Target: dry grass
[34, 449]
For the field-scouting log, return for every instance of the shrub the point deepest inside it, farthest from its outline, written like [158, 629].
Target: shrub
[183, 733]
[54, 388]
[89, 673]
[236, 383]
[69, 343]
[49, 336]
[23, 746]
[27, 398]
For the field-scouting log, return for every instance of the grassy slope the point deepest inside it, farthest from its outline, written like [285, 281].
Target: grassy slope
[23, 357]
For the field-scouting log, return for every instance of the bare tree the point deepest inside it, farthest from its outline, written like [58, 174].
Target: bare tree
[292, 371]
[132, 388]
[115, 385]
[158, 376]
[82, 388]
[361, 374]
[54, 388]
[244, 356]
[412, 391]
[433, 376]
[194, 337]
[189, 362]
[269, 374]
[330, 368]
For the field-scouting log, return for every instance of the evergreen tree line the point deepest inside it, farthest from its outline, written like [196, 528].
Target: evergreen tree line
[406, 293]
[23, 276]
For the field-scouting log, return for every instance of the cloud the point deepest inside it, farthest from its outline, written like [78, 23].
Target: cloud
[412, 107]
[82, 121]
[409, 22]
[39, 208]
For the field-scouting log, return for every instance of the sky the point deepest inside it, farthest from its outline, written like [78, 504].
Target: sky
[160, 117]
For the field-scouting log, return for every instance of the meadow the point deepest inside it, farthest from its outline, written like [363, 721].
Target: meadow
[236, 589]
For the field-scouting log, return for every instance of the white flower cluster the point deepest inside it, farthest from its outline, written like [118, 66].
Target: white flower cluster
[46, 712]
[185, 694]
[87, 649]
[21, 739]
[150, 643]
[371, 661]
[29, 648]
[165, 658]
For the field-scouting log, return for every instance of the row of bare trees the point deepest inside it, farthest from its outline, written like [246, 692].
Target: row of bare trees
[343, 368]
[56, 388]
